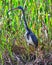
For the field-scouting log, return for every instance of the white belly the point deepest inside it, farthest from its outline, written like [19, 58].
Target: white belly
[29, 41]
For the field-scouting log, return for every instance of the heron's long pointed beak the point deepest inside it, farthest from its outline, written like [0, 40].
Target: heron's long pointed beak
[13, 9]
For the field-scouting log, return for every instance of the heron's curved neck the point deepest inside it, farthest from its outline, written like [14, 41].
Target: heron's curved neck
[25, 23]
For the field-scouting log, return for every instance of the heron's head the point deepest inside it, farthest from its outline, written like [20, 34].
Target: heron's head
[19, 7]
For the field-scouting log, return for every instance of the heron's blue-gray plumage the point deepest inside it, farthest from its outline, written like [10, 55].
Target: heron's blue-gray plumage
[30, 35]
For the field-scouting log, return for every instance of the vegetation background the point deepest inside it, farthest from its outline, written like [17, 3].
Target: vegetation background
[38, 14]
